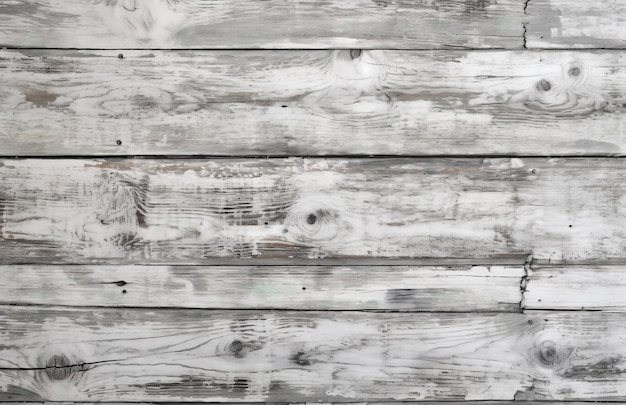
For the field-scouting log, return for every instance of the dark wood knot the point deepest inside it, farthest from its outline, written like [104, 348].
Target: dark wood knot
[544, 85]
[237, 348]
[59, 368]
[301, 359]
[574, 71]
[311, 219]
[548, 353]
[355, 53]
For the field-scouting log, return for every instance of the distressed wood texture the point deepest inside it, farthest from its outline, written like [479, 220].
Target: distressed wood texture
[171, 355]
[207, 211]
[354, 403]
[275, 24]
[576, 288]
[405, 288]
[575, 24]
[312, 103]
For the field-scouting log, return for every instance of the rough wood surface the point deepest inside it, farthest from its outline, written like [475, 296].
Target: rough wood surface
[405, 288]
[205, 211]
[576, 288]
[246, 24]
[575, 24]
[351, 402]
[170, 355]
[312, 103]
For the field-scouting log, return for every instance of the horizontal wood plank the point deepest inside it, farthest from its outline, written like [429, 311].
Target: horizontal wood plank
[240, 356]
[353, 403]
[312, 103]
[576, 288]
[261, 24]
[139, 211]
[576, 24]
[406, 288]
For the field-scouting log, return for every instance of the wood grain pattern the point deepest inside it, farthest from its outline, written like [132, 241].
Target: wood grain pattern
[311, 103]
[142, 355]
[213, 211]
[576, 288]
[576, 24]
[246, 24]
[405, 288]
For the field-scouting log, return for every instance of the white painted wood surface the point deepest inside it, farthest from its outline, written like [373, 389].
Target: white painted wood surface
[576, 288]
[576, 24]
[247, 24]
[240, 356]
[403, 288]
[204, 211]
[312, 103]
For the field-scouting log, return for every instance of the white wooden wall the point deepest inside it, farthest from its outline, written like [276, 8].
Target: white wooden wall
[294, 201]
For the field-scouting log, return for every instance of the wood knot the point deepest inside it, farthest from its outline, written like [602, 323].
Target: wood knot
[355, 53]
[311, 219]
[574, 71]
[544, 85]
[548, 353]
[237, 348]
[301, 359]
[59, 368]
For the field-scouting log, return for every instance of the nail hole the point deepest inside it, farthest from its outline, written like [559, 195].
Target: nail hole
[533, 171]
[120, 56]
[303, 288]
[311, 219]
[570, 226]
[123, 291]
[118, 142]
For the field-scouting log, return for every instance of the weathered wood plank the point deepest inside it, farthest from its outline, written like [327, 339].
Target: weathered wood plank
[576, 24]
[312, 103]
[576, 287]
[354, 403]
[406, 288]
[207, 211]
[248, 24]
[141, 355]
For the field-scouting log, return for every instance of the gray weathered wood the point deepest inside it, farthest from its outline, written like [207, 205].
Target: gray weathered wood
[198, 355]
[576, 287]
[206, 211]
[576, 24]
[406, 288]
[312, 103]
[248, 24]
[352, 403]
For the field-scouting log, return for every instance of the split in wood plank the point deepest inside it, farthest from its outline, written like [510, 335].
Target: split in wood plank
[404, 288]
[312, 103]
[250, 24]
[185, 211]
[575, 24]
[198, 355]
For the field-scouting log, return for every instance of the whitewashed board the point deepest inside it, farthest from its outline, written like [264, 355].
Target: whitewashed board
[401, 288]
[575, 24]
[243, 356]
[207, 211]
[312, 103]
[246, 24]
